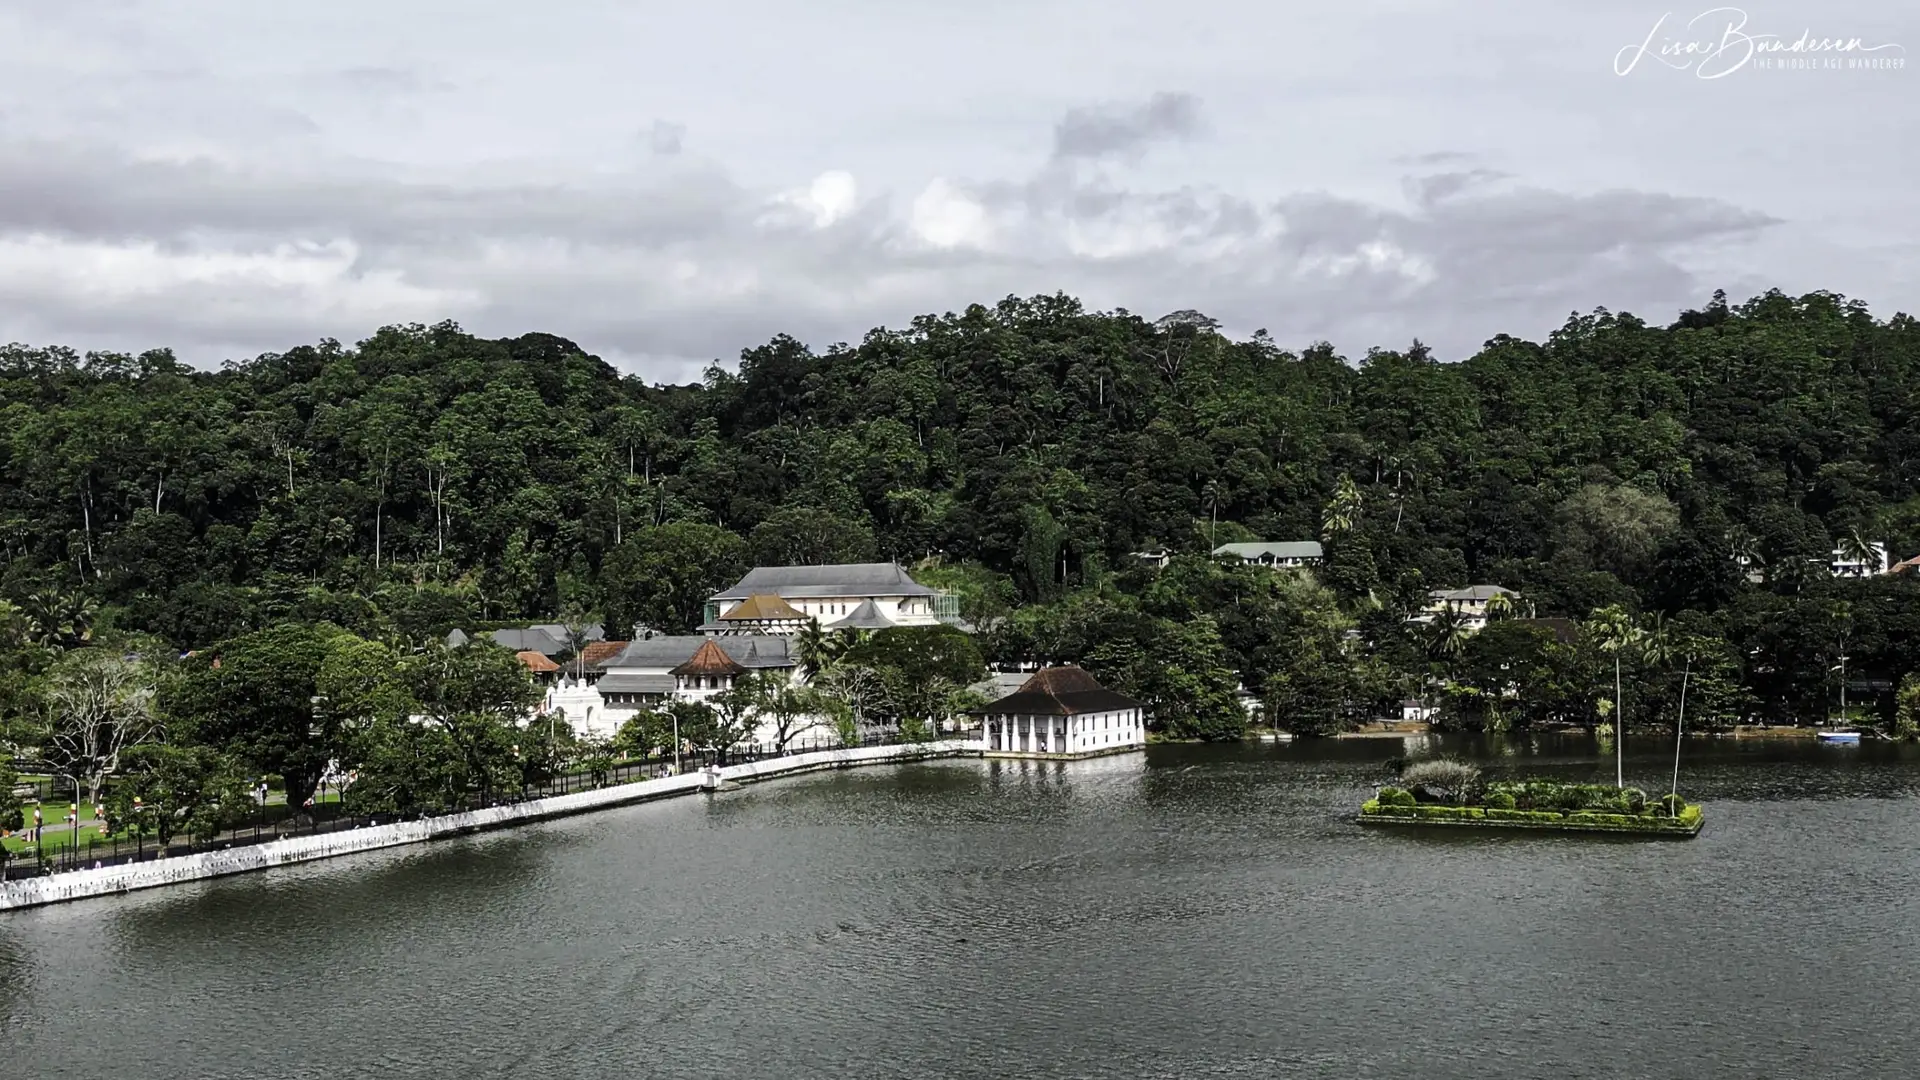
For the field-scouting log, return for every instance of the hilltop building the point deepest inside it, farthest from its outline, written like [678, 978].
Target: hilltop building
[1846, 564]
[1470, 604]
[1291, 554]
[883, 593]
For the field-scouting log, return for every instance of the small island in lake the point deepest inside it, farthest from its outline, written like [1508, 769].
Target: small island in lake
[1451, 793]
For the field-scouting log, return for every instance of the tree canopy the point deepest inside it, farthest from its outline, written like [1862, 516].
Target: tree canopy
[1018, 453]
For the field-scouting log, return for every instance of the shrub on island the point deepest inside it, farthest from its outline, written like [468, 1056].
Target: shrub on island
[1536, 804]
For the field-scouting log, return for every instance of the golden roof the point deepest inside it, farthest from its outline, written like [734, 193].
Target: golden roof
[763, 607]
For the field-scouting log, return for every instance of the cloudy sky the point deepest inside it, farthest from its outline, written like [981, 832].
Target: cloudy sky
[667, 184]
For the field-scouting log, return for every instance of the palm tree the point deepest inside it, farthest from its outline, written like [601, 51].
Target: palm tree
[814, 647]
[58, 620]
[1657, 644]
[1343, 512]
[1446, 636]
[1613, 629]
[1499, 606]
[577, 620]
[1211, 493]
[1854, 547]
[1796, 573]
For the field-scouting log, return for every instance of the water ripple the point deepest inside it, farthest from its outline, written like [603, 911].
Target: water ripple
[1209, 912]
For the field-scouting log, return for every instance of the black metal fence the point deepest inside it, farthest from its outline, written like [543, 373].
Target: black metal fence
[62, 846]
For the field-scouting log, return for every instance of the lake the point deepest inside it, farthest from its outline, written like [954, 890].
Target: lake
[1195, 911]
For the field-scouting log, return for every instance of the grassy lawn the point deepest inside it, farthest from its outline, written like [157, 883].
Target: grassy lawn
[54, 840]
[56, 837]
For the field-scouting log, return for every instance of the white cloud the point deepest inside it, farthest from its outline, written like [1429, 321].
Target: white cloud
[217, 178]
[947, 217]
[284, 283]
[830, 198]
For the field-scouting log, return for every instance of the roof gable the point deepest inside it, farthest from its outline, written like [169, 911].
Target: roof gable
[536, 662]
[662, 652]
[1066, 690]
[599, 652]
[842, 579]
[520, 640]
[762, 607]
[1472, 593]
[1295, 549]
[709, 659]
[865, 617]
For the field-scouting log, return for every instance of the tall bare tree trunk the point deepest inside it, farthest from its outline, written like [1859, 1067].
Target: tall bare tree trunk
[86, 520]
[379, 513]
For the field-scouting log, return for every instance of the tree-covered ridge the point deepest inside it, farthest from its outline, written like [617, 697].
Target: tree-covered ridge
[426, 477]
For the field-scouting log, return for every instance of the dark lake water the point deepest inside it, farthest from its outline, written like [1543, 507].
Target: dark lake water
[1199, 912]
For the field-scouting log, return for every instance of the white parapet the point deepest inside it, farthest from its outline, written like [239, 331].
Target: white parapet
[112, 880]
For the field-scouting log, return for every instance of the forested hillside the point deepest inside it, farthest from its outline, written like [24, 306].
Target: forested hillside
[426, 478]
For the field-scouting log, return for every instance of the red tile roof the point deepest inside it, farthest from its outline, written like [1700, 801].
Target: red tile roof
[597, 651]
[708, 659]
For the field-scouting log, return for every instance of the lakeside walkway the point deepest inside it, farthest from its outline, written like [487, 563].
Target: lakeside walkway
[150, 873]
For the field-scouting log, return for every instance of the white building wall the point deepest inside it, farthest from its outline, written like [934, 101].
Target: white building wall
[905, 610]
[583, 709]
[589, 713]
[1843, 566]
[1080, 734]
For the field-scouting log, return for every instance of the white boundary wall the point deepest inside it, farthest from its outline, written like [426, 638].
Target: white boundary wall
[112, 880]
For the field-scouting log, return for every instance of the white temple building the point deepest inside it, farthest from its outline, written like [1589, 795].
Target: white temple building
[1063, 712]
[879, 594]
[683, 667]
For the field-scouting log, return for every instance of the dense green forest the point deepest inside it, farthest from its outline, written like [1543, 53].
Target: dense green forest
[1018, 454]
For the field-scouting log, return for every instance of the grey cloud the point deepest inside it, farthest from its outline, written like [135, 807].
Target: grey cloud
[1122, 131]
[673, 267]
[388, 81]
[101, 195]
[665, 137]
[1427, 190]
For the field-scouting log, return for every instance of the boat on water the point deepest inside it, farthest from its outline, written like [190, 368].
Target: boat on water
[1839, 736]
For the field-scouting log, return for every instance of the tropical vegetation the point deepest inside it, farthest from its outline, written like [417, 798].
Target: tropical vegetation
[1448, 791]
[1675, 490]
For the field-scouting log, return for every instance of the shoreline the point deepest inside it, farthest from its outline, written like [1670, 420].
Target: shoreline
[154, 873]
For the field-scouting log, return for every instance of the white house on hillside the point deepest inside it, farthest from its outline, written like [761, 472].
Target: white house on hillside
[1470, 604]
[882, 593]
[1291, 554]
[1844, 564]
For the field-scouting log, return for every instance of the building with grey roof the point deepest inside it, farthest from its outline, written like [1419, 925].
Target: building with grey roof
[834, 593]
[867, 616]
[549, 641]
[1473, 605]
[1063, 712]
[1288, 553]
